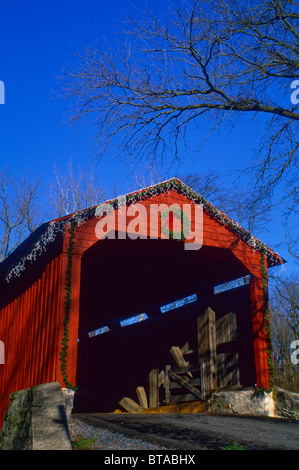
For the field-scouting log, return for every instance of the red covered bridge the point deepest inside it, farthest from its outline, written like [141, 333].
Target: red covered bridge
[89, 272]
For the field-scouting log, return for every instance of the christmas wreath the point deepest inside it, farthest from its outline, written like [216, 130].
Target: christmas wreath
[167, 218]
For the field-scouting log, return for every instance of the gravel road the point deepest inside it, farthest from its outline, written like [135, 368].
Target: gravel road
[104, 439]
[186, 431]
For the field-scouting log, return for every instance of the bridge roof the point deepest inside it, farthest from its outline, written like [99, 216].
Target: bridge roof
[36, 244]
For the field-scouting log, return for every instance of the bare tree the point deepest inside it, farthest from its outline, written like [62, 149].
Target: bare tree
[284, 303]
[207, 185]
[291, 231]
[147, 174]
[287, 295]
[18, 210]
[235, 200]
[74, 190]
[203, 61]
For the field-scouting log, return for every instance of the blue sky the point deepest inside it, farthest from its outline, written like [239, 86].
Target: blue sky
[37, 39]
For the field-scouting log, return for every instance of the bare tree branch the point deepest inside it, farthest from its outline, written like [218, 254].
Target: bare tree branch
[72, 191]
[206, 61]
[18, 211]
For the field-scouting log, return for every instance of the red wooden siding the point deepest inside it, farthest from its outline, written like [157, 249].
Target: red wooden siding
[29, 327]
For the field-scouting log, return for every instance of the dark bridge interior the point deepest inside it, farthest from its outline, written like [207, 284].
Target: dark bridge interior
[124, 278]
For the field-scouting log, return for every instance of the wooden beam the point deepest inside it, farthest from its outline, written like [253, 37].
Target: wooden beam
[161, 378]
[179, 358]
[184, 383]
[185, 349]
[228, 373]
[206, 336]
[194, 382]
[226, 328]
[130, 405]
[153, 388]
[228, 369]
[191, 368]
[141, 394]
[166, 385]
[202, 378]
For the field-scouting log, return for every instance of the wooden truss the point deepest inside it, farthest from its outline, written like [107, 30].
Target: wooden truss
[187, 382]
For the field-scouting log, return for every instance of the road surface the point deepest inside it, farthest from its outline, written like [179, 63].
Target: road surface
[202, 431]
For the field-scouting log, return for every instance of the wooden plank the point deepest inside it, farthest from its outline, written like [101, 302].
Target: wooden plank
[130, 405]
[194, 382]
[188, 407]
[185, 349]
[226, 328]
[228, 373]
[166, 385]
[179, 358]
[181, 398]
[190, 368]
[185, 383]
[161, 378]
[190, 351]
[153, 388]
[206, 336]
[141, 394]
[227, 360]
[202, 378]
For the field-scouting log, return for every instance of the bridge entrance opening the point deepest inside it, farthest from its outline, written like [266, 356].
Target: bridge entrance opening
[141, 298]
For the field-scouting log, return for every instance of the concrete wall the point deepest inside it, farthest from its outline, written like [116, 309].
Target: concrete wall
[279, 403]
[36, 420]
